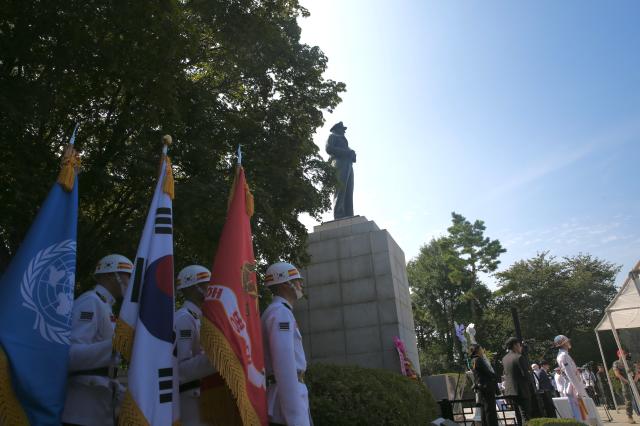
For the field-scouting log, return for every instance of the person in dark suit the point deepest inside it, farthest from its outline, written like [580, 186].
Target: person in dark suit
[543, 377]
[517, 385]
[485, 383]
[545, 389]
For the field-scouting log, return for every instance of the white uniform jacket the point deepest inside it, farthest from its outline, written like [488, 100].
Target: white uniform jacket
[91, 393]
[285, 363]
[575, 387]
[193, 364]
[561, 383]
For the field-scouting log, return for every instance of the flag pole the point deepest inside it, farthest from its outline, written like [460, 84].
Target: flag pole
[239, 154]
[72, 140]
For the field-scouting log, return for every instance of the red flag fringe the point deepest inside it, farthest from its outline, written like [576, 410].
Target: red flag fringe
[225, 361]
[218, 407]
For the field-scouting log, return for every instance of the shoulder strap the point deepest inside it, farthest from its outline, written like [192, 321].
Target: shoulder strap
[101, 297]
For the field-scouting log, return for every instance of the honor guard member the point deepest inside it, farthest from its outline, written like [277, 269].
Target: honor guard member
[574, 389]
[285, 363]
[560, 381]
[92, 391]
[193, 363]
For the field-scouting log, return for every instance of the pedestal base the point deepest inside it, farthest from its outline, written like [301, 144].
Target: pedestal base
[358, 297]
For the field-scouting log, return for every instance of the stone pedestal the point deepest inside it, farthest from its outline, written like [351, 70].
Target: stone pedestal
[358, 297]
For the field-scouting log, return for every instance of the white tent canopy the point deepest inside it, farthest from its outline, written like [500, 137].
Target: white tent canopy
[624, 308]
[622, 312]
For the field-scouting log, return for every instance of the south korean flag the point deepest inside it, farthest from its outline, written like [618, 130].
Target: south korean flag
[144, 333]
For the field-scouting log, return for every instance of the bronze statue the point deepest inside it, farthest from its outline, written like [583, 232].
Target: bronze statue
[342, 159]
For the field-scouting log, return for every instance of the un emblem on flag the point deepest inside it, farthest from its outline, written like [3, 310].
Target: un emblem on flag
[47, 289]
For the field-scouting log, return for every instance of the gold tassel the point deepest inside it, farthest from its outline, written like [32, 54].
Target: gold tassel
[233, 188]
[248, 197]
[217, 407]
[224, 359]
[123, 339]
[168, 185]
[130, 413]
[70, 164]
[11, 412]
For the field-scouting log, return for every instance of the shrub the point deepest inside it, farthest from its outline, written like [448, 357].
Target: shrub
[543, 421]
[351, 395]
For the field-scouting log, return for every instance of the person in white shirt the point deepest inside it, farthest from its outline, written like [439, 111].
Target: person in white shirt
[589, 380]
[92, 391]
[285, 362]
[560, 382]
[535, 368]
[193, 364]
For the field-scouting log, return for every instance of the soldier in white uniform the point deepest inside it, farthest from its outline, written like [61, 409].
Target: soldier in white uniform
[561, 382]
[574, 389]
[92, 391]
[285, 363]
[193, 363]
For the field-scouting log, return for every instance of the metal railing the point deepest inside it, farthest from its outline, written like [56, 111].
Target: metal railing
[462, 411]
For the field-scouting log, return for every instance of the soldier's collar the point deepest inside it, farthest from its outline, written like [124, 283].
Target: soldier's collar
[283, 301]
[193, 309]
[105, 295]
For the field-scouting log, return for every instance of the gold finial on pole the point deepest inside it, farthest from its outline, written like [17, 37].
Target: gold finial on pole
[168, 186]
[70, 163]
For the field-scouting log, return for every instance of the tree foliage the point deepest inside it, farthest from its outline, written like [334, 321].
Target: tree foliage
[572, 293]
[552, 296]
[436, 300]
[478, 254]
[446, 288]
[214, 74]
[556, 296]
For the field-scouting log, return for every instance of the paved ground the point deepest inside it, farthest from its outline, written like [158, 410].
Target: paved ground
[619, 418]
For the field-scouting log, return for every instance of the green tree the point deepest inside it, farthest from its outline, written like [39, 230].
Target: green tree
[480, 255]
[213, 74]
[436, 302]
[566, 296]
[446, 288]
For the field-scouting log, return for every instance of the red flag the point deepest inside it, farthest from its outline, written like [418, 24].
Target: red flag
[231, 333]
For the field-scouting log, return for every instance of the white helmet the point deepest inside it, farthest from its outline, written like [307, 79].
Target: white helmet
[560, 340]
[113, 263]
[192, 275]
[281, 272]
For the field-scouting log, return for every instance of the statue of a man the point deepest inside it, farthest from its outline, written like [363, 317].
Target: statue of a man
[342, 158]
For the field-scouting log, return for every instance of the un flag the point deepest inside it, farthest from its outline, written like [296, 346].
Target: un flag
[36, 298]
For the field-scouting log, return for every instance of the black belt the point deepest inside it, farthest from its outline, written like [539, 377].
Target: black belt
[271, 379]
[189, 385]
[104, 371]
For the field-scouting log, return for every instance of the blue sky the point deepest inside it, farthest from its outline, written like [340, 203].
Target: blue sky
[523, 114]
